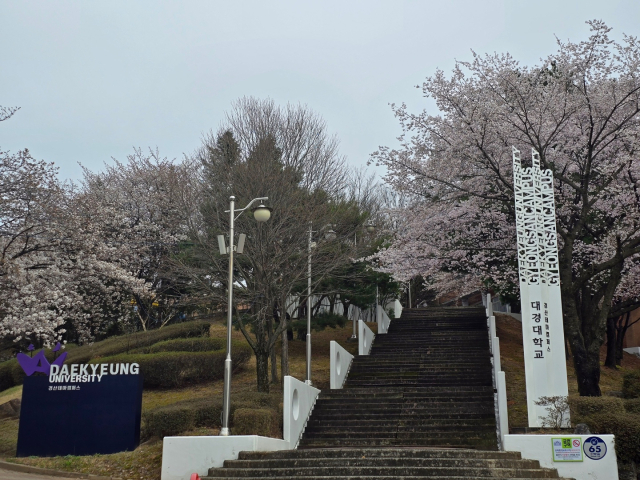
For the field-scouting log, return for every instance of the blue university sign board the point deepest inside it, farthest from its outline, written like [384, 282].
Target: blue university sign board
[79, 409]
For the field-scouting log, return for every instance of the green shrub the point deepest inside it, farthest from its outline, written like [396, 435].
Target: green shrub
[320, 322]
[632, 405]
[168, 421]
[202, 344]
[582, 407]
[205, 412]
[175, 369]
[631, 385]
[255, 421]
[626, 428]
[135, 341]
[6, 374]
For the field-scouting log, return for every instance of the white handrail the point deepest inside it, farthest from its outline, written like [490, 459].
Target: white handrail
[383, 319]
[499, 380]
[299, 400]
[339, 365]
[365, 338]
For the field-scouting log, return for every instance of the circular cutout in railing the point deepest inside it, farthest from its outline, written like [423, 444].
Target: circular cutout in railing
[295, 405]
[338, 363]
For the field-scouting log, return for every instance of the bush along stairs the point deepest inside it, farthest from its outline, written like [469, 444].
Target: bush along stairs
[421, 405]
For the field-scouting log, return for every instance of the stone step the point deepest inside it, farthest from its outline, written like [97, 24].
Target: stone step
[406, 417]
[399, 421]
[397, 401]
[381, 453]
[463, 389]
[318, 428]
[360, 477]
[385, 442]
[365, 434]
[468, 472]
[383, 462]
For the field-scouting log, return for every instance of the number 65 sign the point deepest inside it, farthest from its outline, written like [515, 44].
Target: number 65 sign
[594, 448]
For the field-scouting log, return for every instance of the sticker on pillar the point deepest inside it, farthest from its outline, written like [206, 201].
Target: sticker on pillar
[567, 449]
[595, 448]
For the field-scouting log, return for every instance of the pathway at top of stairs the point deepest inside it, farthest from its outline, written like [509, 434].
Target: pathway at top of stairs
[420, 406]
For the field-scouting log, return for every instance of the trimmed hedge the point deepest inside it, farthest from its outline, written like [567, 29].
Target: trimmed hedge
[202, 344]
[255, 421]
[6, 374]
[136, 341]
[203, 412]
[611, 415]
[626, 428]
[632, 405]
[176, 369]
[582, 407]
[631, 385]
[181, 417]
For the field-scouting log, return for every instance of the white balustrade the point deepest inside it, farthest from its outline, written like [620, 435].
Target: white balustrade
[499, 381]
[383, 319]
[299, 400]
[365, 338]
[339, 365]
[503, 418]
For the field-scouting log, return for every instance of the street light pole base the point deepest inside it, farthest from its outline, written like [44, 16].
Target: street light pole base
[308, 382]
[224, 432]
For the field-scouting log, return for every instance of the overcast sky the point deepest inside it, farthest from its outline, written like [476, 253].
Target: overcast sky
[94, 79]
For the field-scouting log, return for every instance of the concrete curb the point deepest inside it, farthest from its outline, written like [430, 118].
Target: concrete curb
[17, 467]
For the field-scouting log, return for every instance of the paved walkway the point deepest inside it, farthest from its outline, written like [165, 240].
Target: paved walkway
[11, 475]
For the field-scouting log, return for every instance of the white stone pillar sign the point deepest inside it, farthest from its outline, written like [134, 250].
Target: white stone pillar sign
[542, 330]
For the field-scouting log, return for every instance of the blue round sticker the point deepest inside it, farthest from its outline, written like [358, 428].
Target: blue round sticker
[594, 448]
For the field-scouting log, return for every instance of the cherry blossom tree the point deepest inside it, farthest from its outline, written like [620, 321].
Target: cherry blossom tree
[137, 209]
[57, 277]
[579, 108]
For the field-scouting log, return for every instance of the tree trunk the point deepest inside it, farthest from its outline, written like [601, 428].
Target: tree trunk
[588, 373]
[272, 357]
[262, 370]
[317, 306]
[274, 367]
[623, 326]
[612, 343]
[585, 350]
[345, 309]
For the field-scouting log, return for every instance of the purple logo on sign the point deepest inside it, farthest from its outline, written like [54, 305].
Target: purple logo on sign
[39, 362]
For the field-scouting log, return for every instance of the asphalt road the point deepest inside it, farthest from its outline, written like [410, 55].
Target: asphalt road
[11, 475]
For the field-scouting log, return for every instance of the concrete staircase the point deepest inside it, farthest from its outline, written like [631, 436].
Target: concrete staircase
[419, 406]
[426, 383]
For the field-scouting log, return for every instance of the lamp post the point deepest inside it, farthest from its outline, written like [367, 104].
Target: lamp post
[329, 235]
[261, 214]
[309, 247]
[369, 228]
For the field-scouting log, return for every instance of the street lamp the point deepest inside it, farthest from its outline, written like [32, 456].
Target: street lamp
[369, 228]
[329, 235]
[261, 214]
